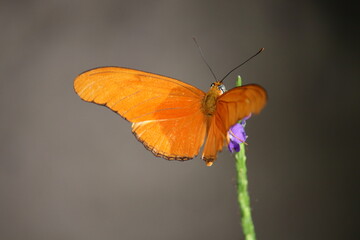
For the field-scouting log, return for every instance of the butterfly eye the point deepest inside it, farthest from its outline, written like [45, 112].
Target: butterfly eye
[212, 85]
[222, 88]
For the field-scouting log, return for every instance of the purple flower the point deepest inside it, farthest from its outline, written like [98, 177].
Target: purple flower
[237, 135]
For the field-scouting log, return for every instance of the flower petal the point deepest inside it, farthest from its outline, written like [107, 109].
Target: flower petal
[233, 146]
[237, 135]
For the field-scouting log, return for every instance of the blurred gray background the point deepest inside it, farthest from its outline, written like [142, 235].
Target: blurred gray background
[73, 170]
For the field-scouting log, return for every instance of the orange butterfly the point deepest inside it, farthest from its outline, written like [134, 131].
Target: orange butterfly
[171, 118]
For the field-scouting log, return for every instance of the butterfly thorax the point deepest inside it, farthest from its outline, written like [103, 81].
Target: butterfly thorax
[209, 101]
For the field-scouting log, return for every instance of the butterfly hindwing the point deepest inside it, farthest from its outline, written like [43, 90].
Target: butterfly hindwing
[173, 139]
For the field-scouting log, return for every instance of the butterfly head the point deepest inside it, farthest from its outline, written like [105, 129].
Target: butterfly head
[218, 87]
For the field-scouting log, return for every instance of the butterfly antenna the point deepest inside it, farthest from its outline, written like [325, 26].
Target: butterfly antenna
[202, 56]
[262, 49]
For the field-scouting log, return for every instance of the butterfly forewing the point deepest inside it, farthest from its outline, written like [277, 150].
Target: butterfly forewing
[239, 102]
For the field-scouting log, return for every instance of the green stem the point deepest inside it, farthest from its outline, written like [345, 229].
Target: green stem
[242, 188]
